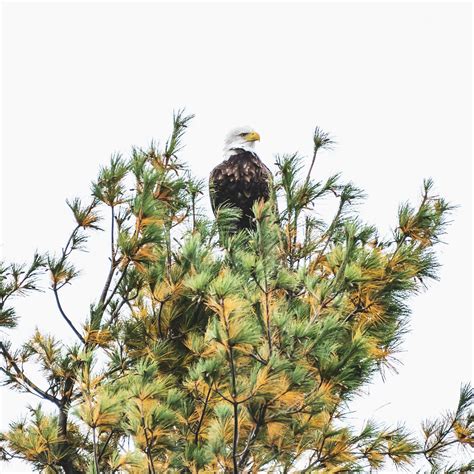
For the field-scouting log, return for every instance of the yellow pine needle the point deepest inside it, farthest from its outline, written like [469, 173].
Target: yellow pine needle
[89, 219]
[145, 253]
[291, 399]
[326, 394]
[463, 434]
[275, 430]
[58, 277]
[163, 291]
[100, 337]
[153, 220]
[100, 411]
[379, 353]
[374, 457]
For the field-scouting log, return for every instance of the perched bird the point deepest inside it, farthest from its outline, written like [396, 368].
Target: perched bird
[242, 178]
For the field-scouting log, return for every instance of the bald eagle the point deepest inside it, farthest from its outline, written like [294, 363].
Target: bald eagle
[242, 178]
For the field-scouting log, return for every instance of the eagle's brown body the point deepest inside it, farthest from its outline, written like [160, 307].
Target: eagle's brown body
[239, 181]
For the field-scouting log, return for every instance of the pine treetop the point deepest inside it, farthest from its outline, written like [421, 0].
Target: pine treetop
[211, 350]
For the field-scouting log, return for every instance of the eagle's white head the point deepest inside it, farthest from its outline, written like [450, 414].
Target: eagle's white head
[242, 138]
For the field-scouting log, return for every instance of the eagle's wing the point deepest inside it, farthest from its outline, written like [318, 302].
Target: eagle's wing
[212, 191]
[217, 180]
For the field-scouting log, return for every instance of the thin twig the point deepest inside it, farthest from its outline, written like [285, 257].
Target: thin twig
[63, 314]
[102, 451]
[252, 437]
[112, 294]
[308, 176]
[201, 419]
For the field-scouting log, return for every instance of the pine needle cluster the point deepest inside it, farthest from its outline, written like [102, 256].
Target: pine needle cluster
[212, 350]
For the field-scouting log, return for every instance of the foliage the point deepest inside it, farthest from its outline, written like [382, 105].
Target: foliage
[210, 350]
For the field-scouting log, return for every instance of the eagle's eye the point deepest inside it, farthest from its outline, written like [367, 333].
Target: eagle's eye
[243, 134]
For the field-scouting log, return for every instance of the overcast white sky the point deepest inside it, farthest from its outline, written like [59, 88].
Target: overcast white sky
[392, 83]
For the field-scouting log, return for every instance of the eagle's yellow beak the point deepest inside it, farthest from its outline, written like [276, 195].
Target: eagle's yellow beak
[252, 137]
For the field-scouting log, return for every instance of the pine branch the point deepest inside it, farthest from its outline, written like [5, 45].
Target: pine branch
[22, 378]
[321, 140]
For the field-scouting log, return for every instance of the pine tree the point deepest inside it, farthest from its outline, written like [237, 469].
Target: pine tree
[212, 350]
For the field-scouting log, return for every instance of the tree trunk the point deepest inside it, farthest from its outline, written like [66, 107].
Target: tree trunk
[67, 461]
